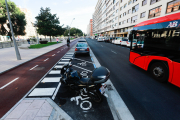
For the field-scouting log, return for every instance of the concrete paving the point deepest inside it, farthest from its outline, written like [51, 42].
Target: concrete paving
[30, 108]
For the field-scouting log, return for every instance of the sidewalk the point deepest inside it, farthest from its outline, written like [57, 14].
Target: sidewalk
[30, 108]
[8, 58]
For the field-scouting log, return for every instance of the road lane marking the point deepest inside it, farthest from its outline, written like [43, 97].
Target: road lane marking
[82, 60]
[46, 59]
[58, 51]
[113, 52]
[33, 67]
[9, 83]
[42, 92]
[82, 68]
[54, 55]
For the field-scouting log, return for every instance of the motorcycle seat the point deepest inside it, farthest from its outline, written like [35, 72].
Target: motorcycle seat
[86, 81]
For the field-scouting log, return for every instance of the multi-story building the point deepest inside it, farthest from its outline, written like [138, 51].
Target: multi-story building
[117, 17]
[90, 28]
[29, 28]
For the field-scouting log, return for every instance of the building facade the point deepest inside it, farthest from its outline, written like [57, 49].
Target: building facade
[29, 28]
[116, 18]
[90, 28]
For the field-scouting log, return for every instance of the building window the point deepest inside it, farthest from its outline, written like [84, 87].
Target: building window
[155, 12]
[125, 5]
[144, 2]
[121, 8]
[130, 1]
[119, 23]
[117, 3]
[120, 16]
[129, 20]
[173, 6]
[114, 7]
[134, 1]
[124, 21]
[143, 14]
[116, 10]
[121, 1]
[114, 1]
[129, 11]
[134, 19]
[154, 1]
[124, 14]
[135, 8]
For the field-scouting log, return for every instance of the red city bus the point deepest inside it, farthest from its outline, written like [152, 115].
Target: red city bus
[158, 47]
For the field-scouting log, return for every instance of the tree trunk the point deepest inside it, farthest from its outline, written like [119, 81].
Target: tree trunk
[50, 38]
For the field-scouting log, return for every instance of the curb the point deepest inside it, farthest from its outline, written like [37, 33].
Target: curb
[30, 59]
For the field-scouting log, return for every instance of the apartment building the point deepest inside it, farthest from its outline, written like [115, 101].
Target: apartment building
[29, 28]
[117, 17]
[90, 28]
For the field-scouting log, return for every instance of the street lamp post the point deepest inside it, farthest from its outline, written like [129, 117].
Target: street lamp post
[14, 41]
[70, 27]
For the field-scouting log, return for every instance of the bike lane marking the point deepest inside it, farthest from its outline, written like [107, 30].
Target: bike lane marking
[33, 67]
[9, 83]
[46, 59]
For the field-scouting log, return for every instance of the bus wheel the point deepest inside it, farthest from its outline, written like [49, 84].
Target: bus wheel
[159, 71]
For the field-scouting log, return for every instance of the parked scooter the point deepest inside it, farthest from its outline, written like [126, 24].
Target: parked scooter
[92, 87]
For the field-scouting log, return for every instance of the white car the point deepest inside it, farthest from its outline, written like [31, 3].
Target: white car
[100, 39]
[124, 41]
[129, 43]
[118, 40]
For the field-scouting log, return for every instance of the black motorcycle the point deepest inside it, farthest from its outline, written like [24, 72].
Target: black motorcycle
[92, 87]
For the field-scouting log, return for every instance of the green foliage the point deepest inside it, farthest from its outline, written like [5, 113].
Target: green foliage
[17, 19]
[73, 32]
[43, 45]
[48, 24]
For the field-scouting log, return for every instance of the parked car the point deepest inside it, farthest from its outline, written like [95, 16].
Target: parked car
[110, 39]
[106, 39]
[100, 39]
[124, 41]
[129, 43]
[118, 40]
[82, 48]
[82, 40]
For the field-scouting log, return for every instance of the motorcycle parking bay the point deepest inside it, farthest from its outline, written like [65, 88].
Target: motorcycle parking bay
[82, 107]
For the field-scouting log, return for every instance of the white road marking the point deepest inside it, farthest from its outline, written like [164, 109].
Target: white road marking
[54, 55]
[58, 66]
[83, 60]
[113, 52]
[42, 92]
[9, 83]
[51, 79]
[55, 72]
[63, 62]
[33, 67]
[101, 46]
[58, 51]
[82, 68]
[55, 93]
[46, 59]
[65, 59]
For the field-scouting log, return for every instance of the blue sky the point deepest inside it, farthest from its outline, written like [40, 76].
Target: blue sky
[66, 10]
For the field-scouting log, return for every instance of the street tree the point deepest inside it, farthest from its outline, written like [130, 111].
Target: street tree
[17, 19]
[73, 32]
[48, 24]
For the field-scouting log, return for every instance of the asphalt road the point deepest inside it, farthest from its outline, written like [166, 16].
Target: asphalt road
[146, 98]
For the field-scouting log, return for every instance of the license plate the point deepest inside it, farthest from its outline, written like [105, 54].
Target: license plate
[102, 90]
[82, 49]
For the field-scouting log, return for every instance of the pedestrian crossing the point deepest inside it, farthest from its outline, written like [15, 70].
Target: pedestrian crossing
[50, 84]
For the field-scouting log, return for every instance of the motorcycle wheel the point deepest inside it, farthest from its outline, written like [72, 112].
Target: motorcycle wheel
[96, 96]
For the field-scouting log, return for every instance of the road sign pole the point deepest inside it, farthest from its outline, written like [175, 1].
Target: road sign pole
[14, 41]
